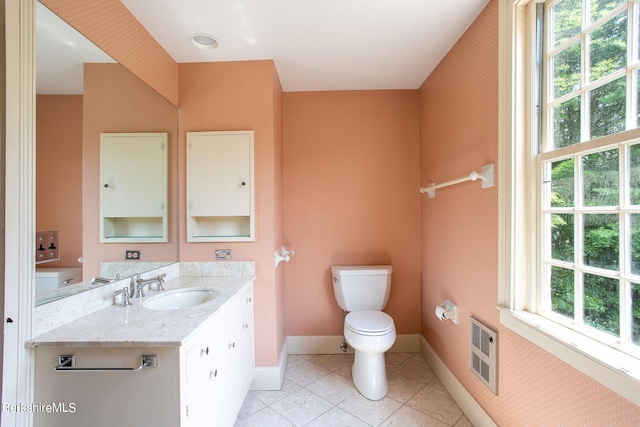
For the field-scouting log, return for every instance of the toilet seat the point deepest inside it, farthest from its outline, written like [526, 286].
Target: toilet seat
[369, 322]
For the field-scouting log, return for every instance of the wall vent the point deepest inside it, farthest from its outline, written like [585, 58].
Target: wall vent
[483, 354]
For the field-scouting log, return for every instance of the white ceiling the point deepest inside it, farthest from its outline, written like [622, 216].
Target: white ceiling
[61, 52]
[316, 45]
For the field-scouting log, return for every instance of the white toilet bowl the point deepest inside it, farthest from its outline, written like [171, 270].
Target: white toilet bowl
[371, 333]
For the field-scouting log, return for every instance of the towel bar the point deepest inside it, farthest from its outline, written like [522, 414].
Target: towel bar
[67, 363]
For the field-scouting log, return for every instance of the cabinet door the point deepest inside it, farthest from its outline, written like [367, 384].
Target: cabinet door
[219, 173]
[199, 387]
[133, 174]
[247, 346]
[220, 373]
[133, 182]
[207, 374]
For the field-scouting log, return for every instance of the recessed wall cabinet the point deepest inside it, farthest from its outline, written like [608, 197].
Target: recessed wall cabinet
[133, 183]
[220, 199]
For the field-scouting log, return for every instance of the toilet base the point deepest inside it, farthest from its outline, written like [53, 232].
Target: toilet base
[369, 375]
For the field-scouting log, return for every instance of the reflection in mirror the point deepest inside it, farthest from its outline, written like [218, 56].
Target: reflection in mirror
[81, 93]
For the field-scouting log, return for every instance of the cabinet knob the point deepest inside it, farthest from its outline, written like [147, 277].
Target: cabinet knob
[204, 351]
[243, 183]
[213, 373]
[106, 186]
[232, 345]
[245, 326]
[248, 300]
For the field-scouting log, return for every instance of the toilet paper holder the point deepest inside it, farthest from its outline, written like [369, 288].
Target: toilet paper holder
[447, 311]
[284, 256]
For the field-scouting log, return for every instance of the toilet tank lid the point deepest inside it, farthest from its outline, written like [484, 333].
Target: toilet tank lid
[368, 270]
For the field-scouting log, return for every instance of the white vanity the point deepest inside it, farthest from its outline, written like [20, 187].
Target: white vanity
[204, 355]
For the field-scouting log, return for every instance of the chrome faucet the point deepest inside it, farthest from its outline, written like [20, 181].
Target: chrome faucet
[102, 280]
[141, 283]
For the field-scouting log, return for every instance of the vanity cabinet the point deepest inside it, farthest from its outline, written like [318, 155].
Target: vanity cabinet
[220, 199]
[133, 187]
[202, 383]
[220, 366]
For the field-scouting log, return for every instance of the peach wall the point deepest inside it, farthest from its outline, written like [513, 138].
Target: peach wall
[351, 169]
[59, 173]
[117, 101]
[240, 96]
[110, 25]
[459, 133]
[278, 166]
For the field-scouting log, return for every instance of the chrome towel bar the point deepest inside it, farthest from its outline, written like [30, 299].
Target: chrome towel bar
[67, 363]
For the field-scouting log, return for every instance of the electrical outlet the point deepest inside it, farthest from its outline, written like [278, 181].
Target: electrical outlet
[132, 255]
[223, 253]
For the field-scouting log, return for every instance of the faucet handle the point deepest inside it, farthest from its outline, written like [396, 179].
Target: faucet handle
[125, 296]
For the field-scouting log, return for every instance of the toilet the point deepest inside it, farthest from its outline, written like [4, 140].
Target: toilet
[363, 291]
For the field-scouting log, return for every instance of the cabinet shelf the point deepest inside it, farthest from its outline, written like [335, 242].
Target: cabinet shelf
[127, 229]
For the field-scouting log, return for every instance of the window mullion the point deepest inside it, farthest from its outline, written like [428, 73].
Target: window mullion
[632, 80]
[578, 241]
[585, 110]
[625, 243]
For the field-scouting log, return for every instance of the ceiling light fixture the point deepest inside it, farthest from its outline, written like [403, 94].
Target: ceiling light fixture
[203, 41]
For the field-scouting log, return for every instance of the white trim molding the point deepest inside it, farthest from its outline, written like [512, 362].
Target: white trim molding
[19, 227]
[271, 377]
[456, 390]
[612, 368]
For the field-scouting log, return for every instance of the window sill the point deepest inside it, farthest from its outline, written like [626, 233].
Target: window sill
[611, 368]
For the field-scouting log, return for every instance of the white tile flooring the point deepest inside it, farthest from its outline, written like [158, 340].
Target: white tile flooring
[318, 391]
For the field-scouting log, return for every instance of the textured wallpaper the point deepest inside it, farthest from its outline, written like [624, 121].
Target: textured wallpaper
[242, 96]
[459, 133]
[117, 101]
[351, 165]
[59, 173]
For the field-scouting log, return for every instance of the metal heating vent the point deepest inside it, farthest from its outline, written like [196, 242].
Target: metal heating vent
[483, 354]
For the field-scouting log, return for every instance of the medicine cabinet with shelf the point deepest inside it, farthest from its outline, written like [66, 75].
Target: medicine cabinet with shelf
[133, 179]
[220, 198]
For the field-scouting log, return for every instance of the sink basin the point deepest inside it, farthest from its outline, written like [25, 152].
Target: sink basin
[180, 298]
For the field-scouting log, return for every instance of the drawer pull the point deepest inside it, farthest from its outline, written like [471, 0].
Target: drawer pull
[67, 363]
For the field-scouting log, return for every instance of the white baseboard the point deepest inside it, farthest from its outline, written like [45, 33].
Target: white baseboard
[330, 344]
[463, 398]
[271, 377]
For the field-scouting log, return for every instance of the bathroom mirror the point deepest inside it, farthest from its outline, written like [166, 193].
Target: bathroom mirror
[80, 93]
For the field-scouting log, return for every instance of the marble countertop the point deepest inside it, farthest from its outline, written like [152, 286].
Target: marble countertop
[136, 326]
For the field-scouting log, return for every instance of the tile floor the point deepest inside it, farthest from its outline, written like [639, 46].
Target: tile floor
[318, 392]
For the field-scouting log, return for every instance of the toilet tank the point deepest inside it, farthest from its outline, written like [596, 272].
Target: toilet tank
[48, 279]
[361, 287]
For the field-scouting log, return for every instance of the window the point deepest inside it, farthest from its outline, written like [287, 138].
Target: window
[589, 216]
[569, 183]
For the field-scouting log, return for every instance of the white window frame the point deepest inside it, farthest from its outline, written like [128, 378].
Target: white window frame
[518, 195]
